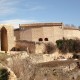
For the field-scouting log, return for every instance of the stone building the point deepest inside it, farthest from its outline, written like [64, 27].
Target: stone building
[40, 32]
[37, 32]
[7, 39]
[46, 32]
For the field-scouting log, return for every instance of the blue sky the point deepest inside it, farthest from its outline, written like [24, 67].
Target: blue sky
[29, 11]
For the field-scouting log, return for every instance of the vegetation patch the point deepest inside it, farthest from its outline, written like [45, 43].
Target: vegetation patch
[50, 48]
[68, 45]
[4, 74]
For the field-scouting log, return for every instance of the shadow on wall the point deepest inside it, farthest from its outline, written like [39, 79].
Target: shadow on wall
[23, 45]
[32, 47]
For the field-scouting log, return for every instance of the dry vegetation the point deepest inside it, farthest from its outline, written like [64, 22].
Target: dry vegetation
[68, 45]
[50, 47]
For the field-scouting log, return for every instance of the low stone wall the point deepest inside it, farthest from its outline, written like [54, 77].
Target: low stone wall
[23, 45]
[30, 47]
[35, 47]
[40, 48]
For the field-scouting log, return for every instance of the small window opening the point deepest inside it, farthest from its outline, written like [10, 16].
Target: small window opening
[40, 39]
[46, 39]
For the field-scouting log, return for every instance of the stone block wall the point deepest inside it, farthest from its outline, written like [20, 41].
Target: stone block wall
[26, 34]
[10, 36]
[23, 45]
[71, 34]
[37, 33]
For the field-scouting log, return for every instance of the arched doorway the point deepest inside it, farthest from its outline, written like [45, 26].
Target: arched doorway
[4, 40]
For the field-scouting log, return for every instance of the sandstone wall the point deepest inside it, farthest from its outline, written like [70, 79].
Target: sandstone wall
[17, 34]
[71, 34]
[37, 33]
[10, 36]
[48, 32]
[24, 45]
[58, 33]
[40, 48]
[26, 34]
[51, 32]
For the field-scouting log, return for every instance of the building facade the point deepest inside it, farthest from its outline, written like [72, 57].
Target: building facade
[46, 32]
[7, 39]
[37, 32]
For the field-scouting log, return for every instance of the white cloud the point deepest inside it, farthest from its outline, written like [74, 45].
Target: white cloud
[16, 22]
[6, 11]
[7, 6]
[36, 8]
[33, 7]
[13, 6]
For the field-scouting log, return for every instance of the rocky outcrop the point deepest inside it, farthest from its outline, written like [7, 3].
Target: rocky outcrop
[40, 58]
[39, 67]
[8, 74]
[42, 66]
[64, 72]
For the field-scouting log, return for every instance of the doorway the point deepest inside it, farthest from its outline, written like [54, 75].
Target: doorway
[4, 39]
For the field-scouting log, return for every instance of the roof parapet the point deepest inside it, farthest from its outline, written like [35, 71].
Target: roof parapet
[39, 25]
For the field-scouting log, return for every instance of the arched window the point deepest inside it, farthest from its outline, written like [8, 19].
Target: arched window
[40, 39]
[46, 39]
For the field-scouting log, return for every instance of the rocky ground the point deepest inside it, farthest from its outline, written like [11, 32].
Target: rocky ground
[26, 68]
[60, 72]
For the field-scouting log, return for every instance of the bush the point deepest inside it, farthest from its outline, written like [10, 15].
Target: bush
[68, 45]
[50, 48]
[4, 74]
[75, 56]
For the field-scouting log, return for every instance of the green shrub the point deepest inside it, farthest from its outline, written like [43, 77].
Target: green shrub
[68, 45]
[4, 74]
